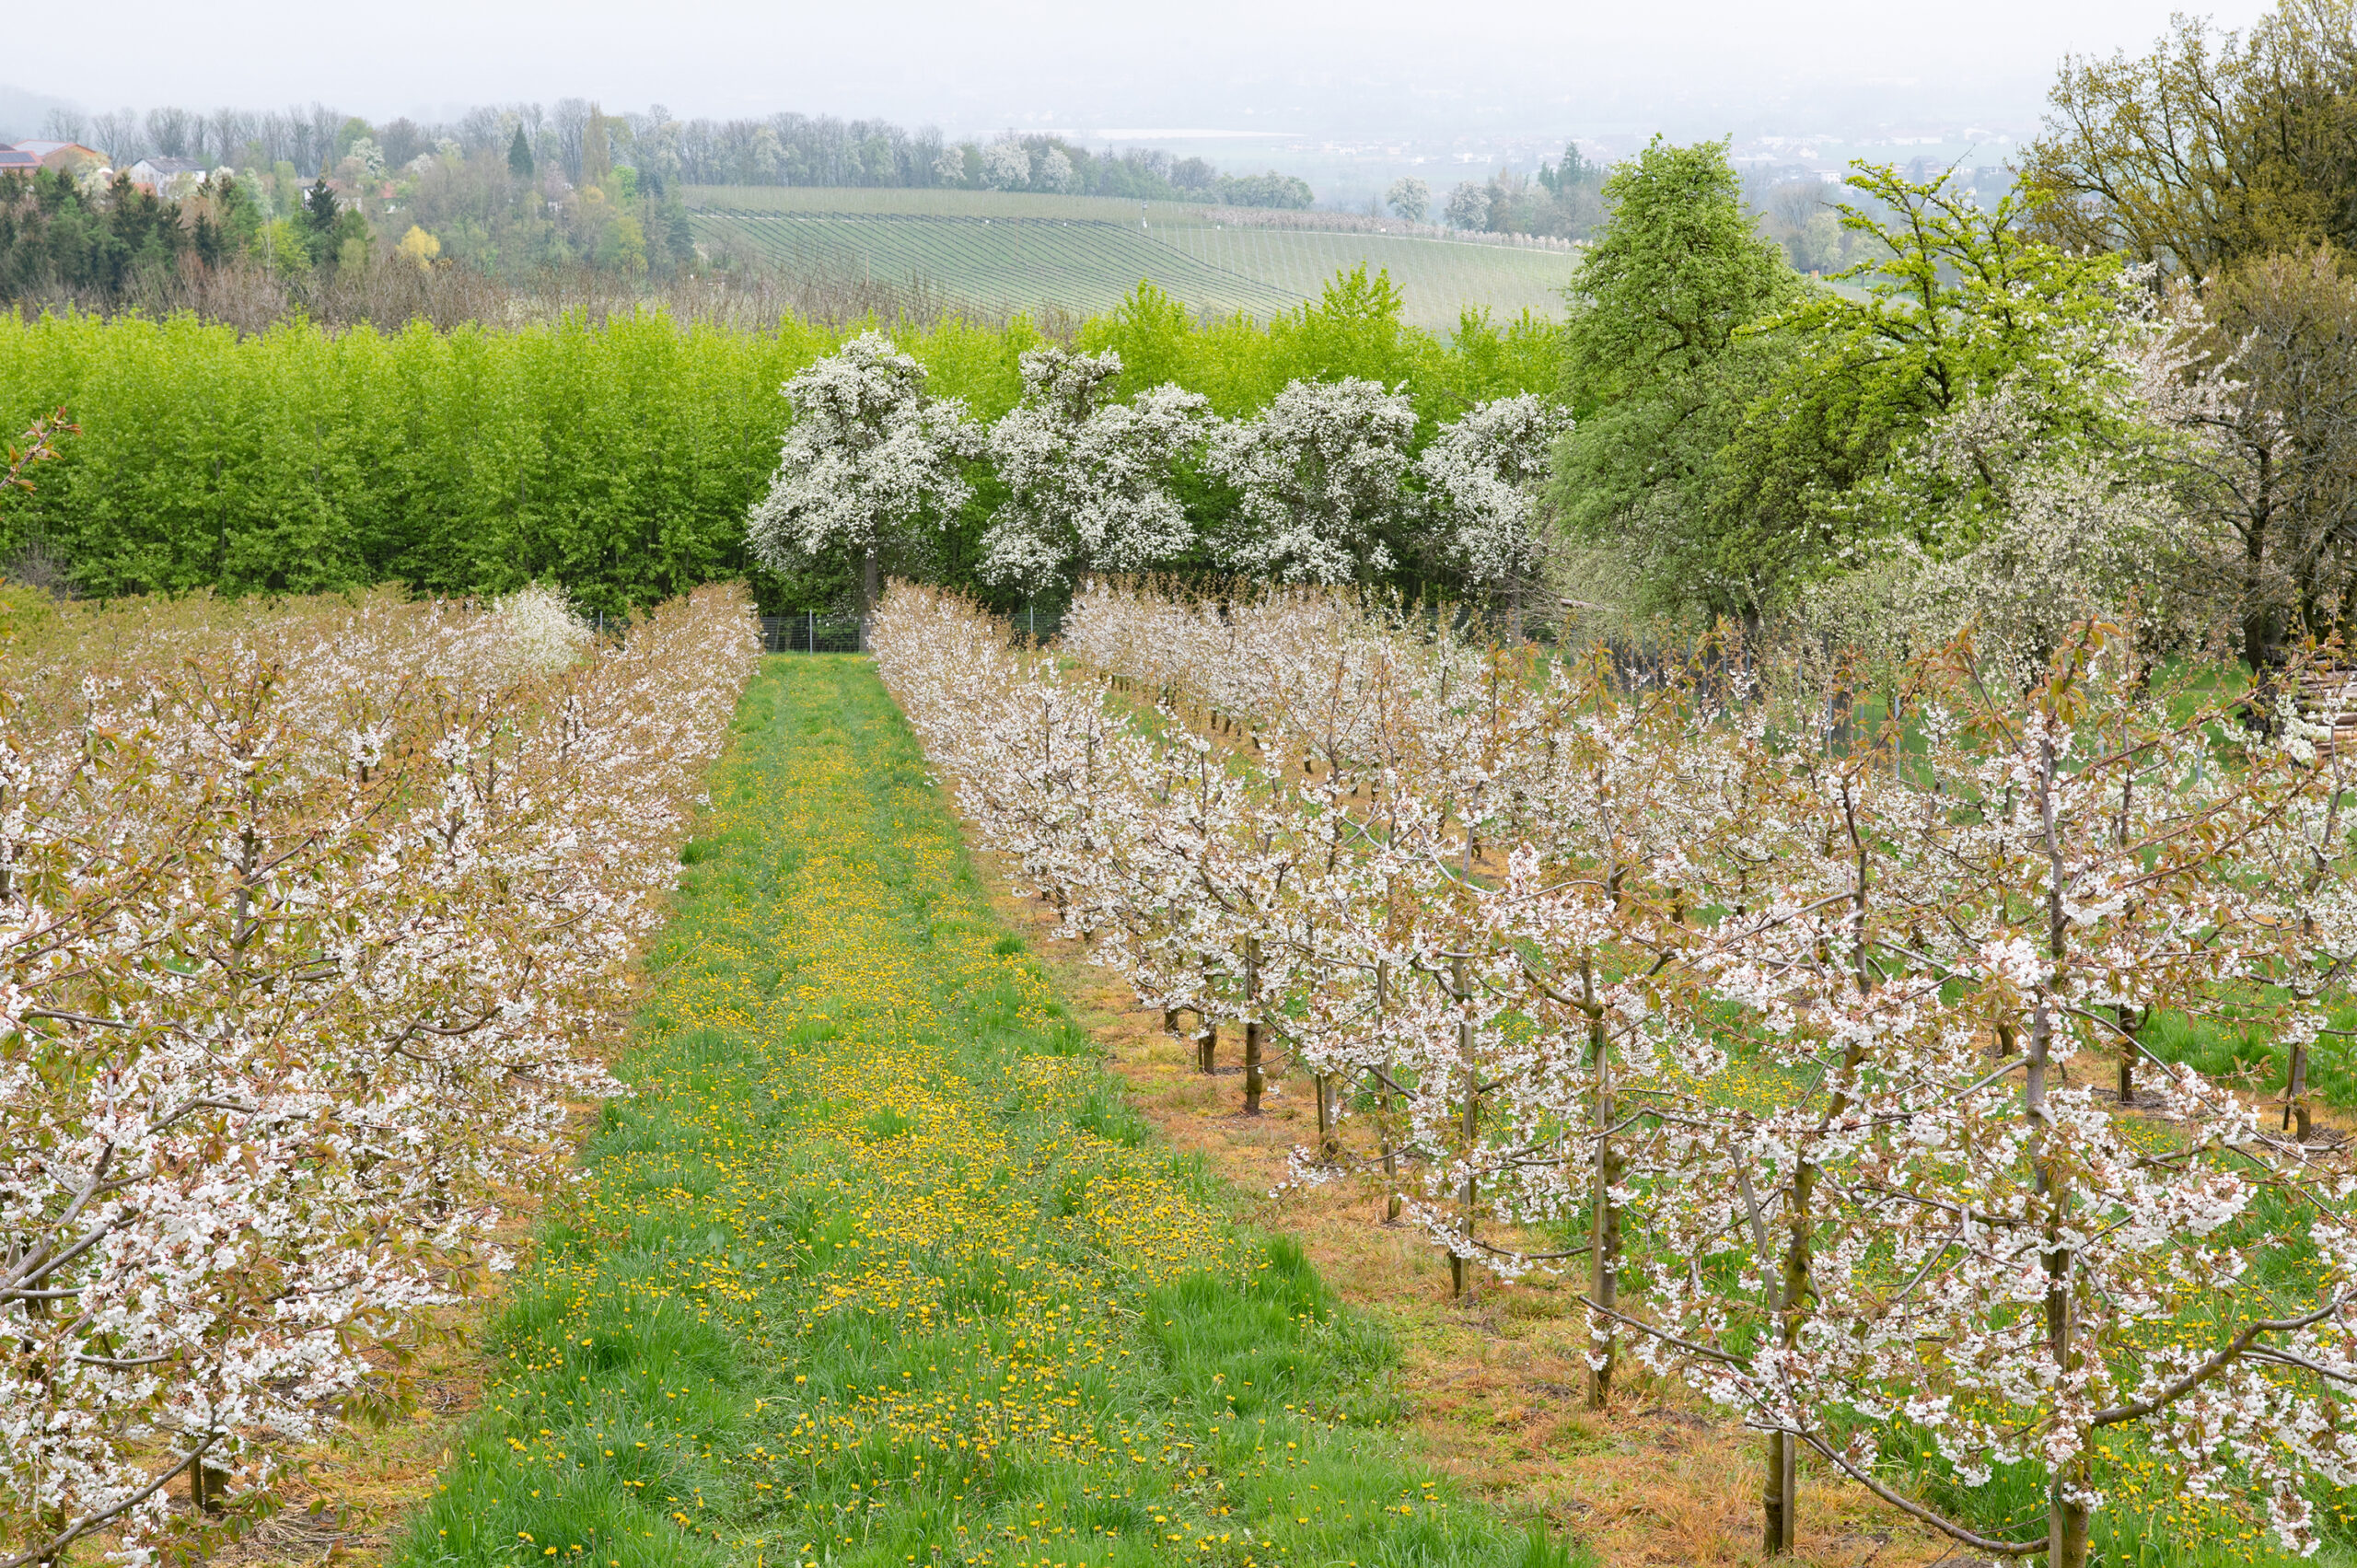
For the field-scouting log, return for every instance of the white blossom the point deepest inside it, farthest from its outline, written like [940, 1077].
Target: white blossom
[1318, 473]
[868, 457]
[1006, 166]
[1485, 476]
[1089, 481]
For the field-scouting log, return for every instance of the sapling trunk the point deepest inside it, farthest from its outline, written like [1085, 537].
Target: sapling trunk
[1207, 1037]
[2131, 1024]
[1456, 1263]
[208, 1486]
[1253, 1083]
[1604, 1212]
[2066, 1516]
[868, 592]
[2296, 1093]
[1328, 1147]
[1779, 1507]
[1390, 1154]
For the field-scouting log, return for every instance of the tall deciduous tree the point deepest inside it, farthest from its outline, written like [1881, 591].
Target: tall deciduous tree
[2281, 473]
[868, 459]
[1409, 199]
[1961, 302]
[1485, 481]
[1090, 481]
[1318, 474]
[1661, 367]
[2211, 148]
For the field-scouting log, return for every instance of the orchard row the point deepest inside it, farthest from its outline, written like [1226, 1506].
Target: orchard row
[314, 924]
[1813, 1036]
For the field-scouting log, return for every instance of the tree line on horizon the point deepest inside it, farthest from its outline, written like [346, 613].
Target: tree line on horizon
[784, 148]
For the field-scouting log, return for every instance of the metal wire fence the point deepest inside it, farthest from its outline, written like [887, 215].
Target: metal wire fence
[832, 632]
[812, 632]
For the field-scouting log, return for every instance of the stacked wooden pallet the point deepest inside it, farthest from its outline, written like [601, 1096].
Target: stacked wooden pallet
[2329, 696]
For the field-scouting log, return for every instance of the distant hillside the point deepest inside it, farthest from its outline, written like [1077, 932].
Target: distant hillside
[21, 112]
[1017, 252]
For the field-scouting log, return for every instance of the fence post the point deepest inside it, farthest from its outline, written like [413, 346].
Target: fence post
[810, 631]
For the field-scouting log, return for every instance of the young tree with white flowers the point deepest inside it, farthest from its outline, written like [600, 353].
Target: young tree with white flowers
[1091, 483]
[1954, 1236]
[1319, 474]
[869, 459]
[308, 937]
[1485, 478]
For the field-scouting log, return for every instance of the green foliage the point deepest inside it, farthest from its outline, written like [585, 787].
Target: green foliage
[2217, 147]
[616, 460]
[55, 237]
[1270, 189]
[1744, 434]
[1355, 328]
[520, 155]
[619, 460]
[1680, 270]
[1960, 302]
[1663, 364]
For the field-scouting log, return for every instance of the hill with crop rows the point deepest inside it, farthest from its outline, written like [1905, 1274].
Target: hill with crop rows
[1011, 251]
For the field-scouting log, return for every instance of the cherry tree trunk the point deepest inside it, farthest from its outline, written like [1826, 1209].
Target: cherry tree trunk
[1604, 1212]
[1253, 1082]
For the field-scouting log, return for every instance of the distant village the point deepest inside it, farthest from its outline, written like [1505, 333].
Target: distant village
[169, 177]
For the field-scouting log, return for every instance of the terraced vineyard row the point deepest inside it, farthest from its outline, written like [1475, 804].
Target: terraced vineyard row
[1015, 251]
[1006, 262]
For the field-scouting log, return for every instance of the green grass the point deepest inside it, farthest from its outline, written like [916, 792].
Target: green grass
[1019, 251]
[877, 1266]
[2247, 1052]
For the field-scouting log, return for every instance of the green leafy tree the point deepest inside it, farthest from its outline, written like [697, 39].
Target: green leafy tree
[2280, 473]
[1662, 360]
[320, 213]
[1961, 300]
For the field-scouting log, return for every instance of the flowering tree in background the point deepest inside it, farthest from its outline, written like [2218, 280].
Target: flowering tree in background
[1006, 166]
[1468, 206]
[1485, 478]
[1319, 473]
[1409, 199]
[870, 456]
[1090, 483]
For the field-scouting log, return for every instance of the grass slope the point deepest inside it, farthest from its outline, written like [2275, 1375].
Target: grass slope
[878, 1267]
[1018, 250]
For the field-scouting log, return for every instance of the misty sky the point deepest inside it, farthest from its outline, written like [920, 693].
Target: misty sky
[1311, 69]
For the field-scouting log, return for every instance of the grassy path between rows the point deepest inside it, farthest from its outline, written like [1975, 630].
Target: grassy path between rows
[879, 1266]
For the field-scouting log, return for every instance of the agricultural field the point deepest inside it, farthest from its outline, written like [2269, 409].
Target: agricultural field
[1871, 1078]
[1174, 1096]
[856, 1255]
[875, 1264]
[1017, 252]
[318, 916]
